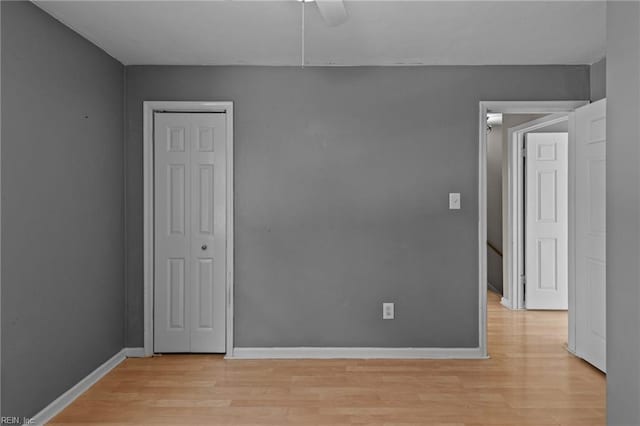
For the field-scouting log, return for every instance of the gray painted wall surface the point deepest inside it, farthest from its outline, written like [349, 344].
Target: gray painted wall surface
[62, 208]
[342, 177]
[623, 213]
[598, 78]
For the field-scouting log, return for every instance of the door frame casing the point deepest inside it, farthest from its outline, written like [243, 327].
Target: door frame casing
[505, 107]
[149, 108]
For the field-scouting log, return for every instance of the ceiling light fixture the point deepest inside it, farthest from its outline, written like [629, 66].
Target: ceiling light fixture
[494, 119]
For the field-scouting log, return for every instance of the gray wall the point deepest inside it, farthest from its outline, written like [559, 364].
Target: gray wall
[342, 177]
[598, 79]
[62, 208]
[495, 147]
[623, 213]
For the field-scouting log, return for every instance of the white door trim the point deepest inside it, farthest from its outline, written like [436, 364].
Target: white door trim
[515, 181]
[509, 107]
[149, 107]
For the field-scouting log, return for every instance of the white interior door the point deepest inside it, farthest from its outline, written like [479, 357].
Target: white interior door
[590, 233]
[546, 221]
[190, 232]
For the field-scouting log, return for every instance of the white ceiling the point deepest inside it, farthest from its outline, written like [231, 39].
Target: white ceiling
[242, 32]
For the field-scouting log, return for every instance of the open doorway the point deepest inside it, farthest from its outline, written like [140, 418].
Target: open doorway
[540, 192]
[496, 170]
[542, 187]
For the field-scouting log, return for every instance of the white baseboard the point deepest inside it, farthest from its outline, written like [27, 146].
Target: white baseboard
[60, 403]
[134, 352]
[572, 351]
[506, 303]
[360, 353]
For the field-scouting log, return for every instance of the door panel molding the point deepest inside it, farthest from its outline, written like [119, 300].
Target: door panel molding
[149, 108]
[546, 221]
[188, 199]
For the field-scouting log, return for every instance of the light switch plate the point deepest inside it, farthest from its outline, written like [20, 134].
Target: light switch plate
[388, 310]
[454, 201]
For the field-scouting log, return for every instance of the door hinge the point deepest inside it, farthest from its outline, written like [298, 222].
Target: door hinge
[524, 152]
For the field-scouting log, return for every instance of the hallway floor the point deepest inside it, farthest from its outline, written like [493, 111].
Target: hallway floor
[530, 380]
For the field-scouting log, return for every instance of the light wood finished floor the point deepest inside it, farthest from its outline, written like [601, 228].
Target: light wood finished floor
[529, 380]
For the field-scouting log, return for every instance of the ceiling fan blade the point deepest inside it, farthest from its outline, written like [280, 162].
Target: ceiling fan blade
[332, 11]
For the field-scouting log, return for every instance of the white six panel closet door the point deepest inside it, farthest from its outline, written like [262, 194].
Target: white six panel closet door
[190, 232]
[546, 221]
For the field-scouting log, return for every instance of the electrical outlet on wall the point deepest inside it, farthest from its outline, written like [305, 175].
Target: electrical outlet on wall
[388, 310]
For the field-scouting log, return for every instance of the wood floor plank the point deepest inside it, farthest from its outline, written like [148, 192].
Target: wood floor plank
[530, 379]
